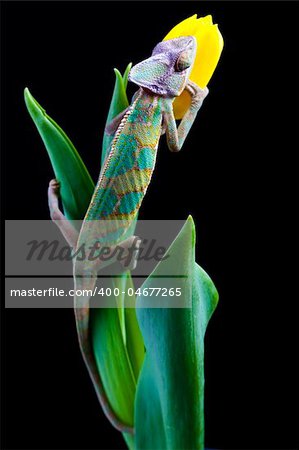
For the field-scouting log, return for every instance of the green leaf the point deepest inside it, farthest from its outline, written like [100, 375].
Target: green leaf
[111, 356]
[169, 411]
[134, 340]
[76, 184]
[119, 102]
[126, 75]
[149, 426]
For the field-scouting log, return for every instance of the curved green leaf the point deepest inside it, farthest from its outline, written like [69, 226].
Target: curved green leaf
[112, 360]
[126, 75]
[118, 364]
[76, 184]
[119, 102]
[169, 409]
[149, 426]
[134, 340]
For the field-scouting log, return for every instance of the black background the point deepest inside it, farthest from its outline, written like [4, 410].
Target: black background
[235, 175]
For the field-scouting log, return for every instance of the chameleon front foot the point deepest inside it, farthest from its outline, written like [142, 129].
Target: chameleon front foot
[197, 94]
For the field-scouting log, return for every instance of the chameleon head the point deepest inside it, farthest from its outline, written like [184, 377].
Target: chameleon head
[166, 72]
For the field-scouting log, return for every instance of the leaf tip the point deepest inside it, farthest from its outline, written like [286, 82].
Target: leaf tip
[191, 224]
[27, 95]
[117, 72]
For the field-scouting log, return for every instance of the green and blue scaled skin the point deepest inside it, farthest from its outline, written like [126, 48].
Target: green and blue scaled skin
[128, 168]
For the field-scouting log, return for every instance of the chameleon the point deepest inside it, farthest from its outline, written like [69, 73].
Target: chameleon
[127, 171]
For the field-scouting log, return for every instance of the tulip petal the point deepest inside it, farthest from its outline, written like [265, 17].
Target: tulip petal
[185, 28]
[207, 20]
[209, 48]
[210, 45]
[181, 105]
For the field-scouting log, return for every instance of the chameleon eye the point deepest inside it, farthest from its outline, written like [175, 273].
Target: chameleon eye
[182, 63]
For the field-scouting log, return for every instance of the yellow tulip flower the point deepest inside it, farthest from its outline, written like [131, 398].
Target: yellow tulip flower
[209, 48]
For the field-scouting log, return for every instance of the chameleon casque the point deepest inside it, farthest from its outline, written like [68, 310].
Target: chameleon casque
[127, 170]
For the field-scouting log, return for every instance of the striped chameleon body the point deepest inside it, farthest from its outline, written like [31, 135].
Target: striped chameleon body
[127, 172]
[129, 166]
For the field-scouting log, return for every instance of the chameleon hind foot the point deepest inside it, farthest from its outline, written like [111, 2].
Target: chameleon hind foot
[53, 195]
[65, 226]
[125, 254]
[131, 251]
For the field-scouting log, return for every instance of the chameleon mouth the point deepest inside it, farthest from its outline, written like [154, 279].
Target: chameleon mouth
[154, 89]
